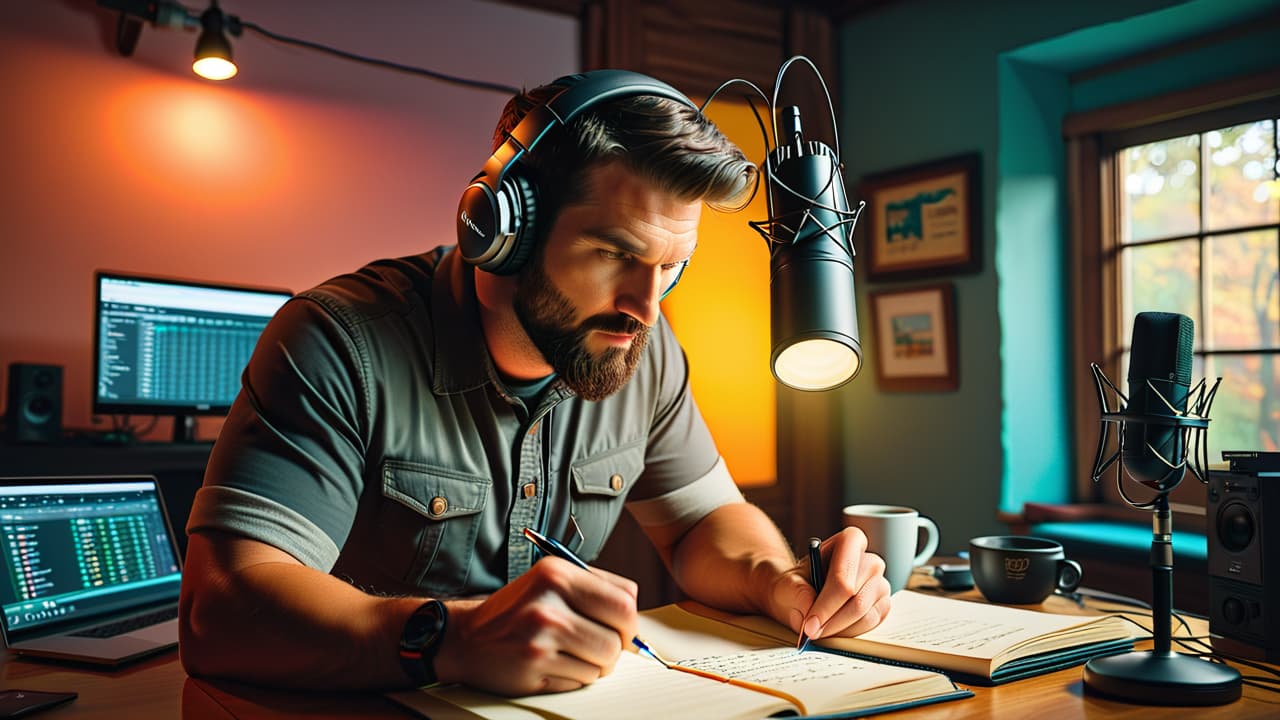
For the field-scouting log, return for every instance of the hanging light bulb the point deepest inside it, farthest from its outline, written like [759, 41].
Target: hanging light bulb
[213, 50]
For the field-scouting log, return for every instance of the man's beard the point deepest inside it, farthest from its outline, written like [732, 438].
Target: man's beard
[547, 317]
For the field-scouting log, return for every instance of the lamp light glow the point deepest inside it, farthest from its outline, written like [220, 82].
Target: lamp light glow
[214, 68]
[816, 364]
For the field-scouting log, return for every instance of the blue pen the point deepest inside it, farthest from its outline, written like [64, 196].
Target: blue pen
[815, 579]
[555, 548]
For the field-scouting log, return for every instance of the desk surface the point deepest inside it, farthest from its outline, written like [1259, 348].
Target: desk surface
[158, 688]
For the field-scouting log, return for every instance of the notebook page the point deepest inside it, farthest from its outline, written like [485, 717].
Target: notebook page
[641, 687]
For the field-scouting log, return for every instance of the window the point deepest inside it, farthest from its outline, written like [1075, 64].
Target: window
[1175, 206]
[1199, 231]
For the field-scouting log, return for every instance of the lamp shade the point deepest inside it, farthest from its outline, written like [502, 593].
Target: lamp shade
[814, 320]
[213, 50]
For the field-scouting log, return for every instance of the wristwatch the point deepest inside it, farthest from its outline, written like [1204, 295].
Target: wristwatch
[421, 639]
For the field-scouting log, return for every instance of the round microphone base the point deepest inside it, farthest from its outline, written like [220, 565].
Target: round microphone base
[1151, 678]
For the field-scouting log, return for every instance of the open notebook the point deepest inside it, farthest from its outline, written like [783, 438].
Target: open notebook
[91, 569]
[719, 671]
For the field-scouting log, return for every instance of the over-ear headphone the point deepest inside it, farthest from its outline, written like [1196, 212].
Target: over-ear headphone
[497, 215]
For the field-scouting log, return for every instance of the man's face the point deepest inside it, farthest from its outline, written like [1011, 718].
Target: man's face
[589, 297]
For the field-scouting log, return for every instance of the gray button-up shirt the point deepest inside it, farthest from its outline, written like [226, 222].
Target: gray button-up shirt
[374, 440]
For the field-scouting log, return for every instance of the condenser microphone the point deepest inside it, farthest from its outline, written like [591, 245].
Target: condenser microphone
[1155, 424]
[1153, 443]
[814, 321]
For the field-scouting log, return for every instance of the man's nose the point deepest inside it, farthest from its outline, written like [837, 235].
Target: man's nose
[641, 298]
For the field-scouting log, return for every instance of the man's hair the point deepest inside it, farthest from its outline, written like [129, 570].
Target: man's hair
[663, 141]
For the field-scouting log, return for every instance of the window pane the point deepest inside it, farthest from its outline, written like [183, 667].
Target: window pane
[1246, 412]
[1244, 300]
[1163, 277]
[1242, 161]
[1162, 189]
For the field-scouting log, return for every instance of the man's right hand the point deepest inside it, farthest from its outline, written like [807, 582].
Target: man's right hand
[555, 628]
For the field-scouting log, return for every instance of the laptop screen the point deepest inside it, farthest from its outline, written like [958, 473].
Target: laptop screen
[78, 548]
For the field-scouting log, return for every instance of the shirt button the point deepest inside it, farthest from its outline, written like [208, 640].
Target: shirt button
[438, 506]
[530, 490]
[615, 482]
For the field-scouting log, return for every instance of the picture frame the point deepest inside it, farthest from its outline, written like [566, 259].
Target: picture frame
[915, 335]
[924, 220]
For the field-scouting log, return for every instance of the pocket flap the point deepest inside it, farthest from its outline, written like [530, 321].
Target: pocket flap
[435, 493]
[612, 473]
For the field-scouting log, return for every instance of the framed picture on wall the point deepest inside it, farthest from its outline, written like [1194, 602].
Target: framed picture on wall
[924, 220]
[915, 336]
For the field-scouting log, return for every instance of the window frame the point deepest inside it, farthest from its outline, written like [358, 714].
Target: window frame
[1092, 140]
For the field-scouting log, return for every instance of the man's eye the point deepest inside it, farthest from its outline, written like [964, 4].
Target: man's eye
[614, 255]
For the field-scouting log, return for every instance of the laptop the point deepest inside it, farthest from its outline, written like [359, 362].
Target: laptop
[91, 569]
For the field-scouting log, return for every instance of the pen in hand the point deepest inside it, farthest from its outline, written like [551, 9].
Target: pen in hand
[815, 579]
[555, 548]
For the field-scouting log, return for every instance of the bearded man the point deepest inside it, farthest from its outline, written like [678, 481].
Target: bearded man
[362, 516]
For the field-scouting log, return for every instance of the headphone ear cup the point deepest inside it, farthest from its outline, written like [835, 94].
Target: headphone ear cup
[520, 241]
[496, 229]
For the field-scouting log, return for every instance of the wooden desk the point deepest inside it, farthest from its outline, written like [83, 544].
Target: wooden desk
[158, 688]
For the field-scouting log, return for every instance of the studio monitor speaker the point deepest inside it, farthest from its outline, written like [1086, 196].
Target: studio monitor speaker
[1243, 511]
[34, 412]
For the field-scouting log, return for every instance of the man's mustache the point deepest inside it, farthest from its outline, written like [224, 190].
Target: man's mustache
[617, 324]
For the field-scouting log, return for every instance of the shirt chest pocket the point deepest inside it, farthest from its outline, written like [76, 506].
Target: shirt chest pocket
[430, 518]
[600, 487]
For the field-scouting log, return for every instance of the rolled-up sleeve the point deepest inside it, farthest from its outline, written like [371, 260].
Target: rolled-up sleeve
[288, 466]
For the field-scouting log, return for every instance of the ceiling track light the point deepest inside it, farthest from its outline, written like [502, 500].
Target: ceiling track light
[213, 50]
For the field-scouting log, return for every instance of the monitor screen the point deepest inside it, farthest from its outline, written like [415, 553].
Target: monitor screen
[173, 347]
[72, 550]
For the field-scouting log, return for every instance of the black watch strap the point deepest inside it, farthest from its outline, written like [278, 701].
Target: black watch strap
[420, 641]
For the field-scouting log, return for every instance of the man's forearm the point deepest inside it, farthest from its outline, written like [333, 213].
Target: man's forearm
[301, 629]
[730, 557]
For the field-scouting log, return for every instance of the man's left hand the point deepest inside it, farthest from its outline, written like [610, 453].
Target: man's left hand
[854, 597]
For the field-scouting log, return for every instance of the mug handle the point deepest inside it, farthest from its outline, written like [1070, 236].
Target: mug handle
[930, 541]
[1069, 575]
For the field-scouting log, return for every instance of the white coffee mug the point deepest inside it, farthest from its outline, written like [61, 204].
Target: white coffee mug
[893, 533]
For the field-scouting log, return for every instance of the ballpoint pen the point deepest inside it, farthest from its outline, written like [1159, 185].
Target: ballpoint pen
[555, 548]
[815, 579]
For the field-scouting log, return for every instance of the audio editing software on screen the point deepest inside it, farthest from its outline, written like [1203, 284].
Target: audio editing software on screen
[79, 550]
[174, 345]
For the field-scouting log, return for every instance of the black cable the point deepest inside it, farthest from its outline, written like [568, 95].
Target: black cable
[1123, 600]
[464, 82]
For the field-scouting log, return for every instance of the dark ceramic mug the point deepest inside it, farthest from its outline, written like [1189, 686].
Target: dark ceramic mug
[1020, 570]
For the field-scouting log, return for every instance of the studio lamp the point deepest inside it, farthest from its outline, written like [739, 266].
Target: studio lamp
[814, 323]
[213, 50]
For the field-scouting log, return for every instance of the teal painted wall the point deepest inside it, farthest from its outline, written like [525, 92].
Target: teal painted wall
[927, 79]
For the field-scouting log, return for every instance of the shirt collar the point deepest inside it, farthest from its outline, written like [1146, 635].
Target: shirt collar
[460, 356]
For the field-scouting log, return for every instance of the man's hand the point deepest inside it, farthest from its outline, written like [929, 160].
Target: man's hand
[854, 597]
[555, 628]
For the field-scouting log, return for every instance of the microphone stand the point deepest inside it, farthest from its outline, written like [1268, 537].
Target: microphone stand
[1160, 676]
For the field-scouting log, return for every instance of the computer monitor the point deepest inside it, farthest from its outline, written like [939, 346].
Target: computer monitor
[174, 347]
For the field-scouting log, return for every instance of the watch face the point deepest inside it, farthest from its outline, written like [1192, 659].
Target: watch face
[423, 626]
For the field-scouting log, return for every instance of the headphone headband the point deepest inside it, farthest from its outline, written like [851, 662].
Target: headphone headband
[497, 212]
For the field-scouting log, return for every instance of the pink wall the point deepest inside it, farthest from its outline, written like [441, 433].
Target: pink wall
[302, 167]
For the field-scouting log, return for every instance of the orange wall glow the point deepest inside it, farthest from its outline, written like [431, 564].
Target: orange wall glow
[720, 312]
[302, 167]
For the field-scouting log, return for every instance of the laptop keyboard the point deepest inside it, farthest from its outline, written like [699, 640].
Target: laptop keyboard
[120, 627]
